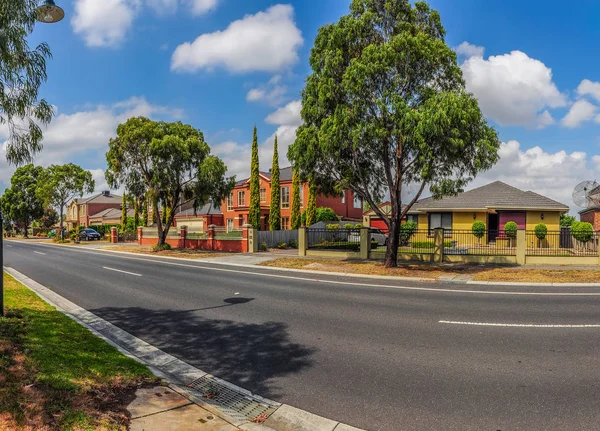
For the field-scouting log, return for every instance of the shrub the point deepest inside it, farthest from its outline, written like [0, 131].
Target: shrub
[332, 226]
[348, 226]
[293, 243]
[358, 226]
[478, 229]
[322, 214]
[541, 231]
[429, 244]
[582, 231]
[161, 247]
[407, 230]
[281, 245]
[263, 246]
[510, 229]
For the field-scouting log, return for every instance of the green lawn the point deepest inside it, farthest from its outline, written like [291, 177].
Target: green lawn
[55, 374]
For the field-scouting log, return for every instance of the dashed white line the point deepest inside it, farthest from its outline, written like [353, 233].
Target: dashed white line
[39, 252]
[120, 270]
[9, 246]
[516, 325]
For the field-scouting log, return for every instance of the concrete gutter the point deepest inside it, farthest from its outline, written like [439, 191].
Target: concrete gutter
[178, 373]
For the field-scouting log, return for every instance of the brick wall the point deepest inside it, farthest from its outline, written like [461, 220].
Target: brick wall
[344, 209]
[592, 217]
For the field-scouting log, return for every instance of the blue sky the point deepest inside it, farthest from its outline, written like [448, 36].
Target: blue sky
[225, 65]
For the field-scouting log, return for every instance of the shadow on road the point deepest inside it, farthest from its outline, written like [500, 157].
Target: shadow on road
[247, 354]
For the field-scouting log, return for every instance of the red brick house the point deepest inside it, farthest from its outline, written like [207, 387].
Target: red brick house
[591, 215]
[80, 210]
[235, 209]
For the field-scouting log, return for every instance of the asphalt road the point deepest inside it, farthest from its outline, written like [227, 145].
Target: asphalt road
[374, 357]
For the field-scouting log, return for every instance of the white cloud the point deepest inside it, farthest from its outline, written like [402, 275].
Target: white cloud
[103, 23]
[201, 7]
[467, 50]
[289, 115]
[587, 87]
[273, 93]
[267, 41]
[580, 112]
[537, 170]
[513, 89]
[82, 137]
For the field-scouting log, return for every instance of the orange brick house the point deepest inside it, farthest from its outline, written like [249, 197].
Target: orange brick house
[80, 210]
[235, 209]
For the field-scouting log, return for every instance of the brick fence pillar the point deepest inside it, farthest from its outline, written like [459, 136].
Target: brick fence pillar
[182, 236]
[246, 232]
[140, 235]
[211, 236]
[521, 247]
[114, 235]
[302, 241]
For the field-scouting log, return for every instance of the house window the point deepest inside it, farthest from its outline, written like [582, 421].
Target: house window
[412, 217]
[302, 196]
[82, 208]
[285, 197]
[229, 224]
[344, 197]
[263, 195]
[443, 220]
[357, 201]
[241, 198]
[230, 202]
[285, 223]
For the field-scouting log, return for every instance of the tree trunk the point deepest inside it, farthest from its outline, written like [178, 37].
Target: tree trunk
[161, 237]
[62, 236]
[391, 254]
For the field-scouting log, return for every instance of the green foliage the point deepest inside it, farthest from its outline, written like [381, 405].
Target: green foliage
[541, 230]
[21, 202]
[281, 245]
[296, 218]
[22, 72]
[348, 226]
[136, 212]
[263, 246]
[582, 231]
[333, 226]
[168, 162]
[145, 212]
[478, 229]
[49, 218]
[293, 243]
[510, 229]
[322, 214]
[358, 226]
[61, 183]
[254, 210]
[310, 216]
[275, 210]
[407, 230]
[161, 247]
[428, 244]
[566, 220]
[385, 87]
[124, 210]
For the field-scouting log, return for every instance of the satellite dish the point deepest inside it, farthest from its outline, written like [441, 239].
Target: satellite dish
[586, 194]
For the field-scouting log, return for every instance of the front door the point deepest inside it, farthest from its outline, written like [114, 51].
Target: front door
[493, 227]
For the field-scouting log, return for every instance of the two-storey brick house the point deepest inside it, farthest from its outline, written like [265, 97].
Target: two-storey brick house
[80, 210]
[235, 209]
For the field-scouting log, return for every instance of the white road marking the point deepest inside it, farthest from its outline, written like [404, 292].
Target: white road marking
[346, 283]
[124, 272]
[9, 246]
[39, 252]
[516, 325]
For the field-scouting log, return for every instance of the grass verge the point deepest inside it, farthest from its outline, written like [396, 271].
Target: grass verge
[479, 273]
[176, 252]
[56, 375]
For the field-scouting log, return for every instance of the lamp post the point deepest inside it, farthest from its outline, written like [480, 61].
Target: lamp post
[48, 13]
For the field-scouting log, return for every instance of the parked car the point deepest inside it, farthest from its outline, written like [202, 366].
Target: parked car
[89, 235]
[376, 236]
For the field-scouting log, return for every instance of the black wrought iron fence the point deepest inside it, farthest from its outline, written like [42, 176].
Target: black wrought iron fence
[561, 243]
[333, 239]
[127, 236]
[479, 243]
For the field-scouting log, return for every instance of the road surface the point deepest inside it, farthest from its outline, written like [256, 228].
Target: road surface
[404, 356]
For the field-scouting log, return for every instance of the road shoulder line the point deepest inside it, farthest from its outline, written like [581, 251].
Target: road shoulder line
[178, 373]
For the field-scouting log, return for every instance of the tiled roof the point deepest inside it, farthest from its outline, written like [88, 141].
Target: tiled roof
[493, 195]
[100, 198]
[208, 209]
[112, 213]
[285, 174]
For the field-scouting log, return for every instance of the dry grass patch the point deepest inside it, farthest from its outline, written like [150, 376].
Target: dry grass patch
[539, 275]
[56, 375]
[176, 252]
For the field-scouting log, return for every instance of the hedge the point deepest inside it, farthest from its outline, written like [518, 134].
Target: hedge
[428, 244]
[582, 231]
[510, 229]
[541, 231]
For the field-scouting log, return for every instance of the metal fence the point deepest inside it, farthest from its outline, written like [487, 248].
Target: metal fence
[127, 236]
[561, 243]
[333, 239]
[418, 241]
[479, 243]
[276, 237]
[221, 233]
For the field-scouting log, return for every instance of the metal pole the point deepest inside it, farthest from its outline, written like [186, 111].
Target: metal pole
[1, 265]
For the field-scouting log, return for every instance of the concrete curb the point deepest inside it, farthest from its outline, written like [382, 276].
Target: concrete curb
[178, 373]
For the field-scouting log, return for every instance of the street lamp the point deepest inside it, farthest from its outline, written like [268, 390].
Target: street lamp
[49, 13]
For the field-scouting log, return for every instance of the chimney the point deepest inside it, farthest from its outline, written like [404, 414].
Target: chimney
[106, 193]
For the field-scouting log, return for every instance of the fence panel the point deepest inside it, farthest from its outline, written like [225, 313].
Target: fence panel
[418, 241]
[333, 239]
[127, 236]
[275, 237]
[561, 243]
[221, 233]
[482, 243]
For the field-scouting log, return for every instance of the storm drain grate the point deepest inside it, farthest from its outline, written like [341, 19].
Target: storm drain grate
[237, 404]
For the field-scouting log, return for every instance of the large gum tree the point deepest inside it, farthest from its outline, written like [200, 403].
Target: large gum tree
[385, 107]
[171, 162]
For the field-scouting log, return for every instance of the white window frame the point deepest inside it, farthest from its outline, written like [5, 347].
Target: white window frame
[263, 195]
[357, 199]
[285, 204]
[230, 202]
[241, 202]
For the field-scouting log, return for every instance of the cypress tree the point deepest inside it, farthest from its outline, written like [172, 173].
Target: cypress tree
[123, 212]
[136, 216]
[296, 219]
[145, 212]
[311, 207]
[254, 210]
[275, 210]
